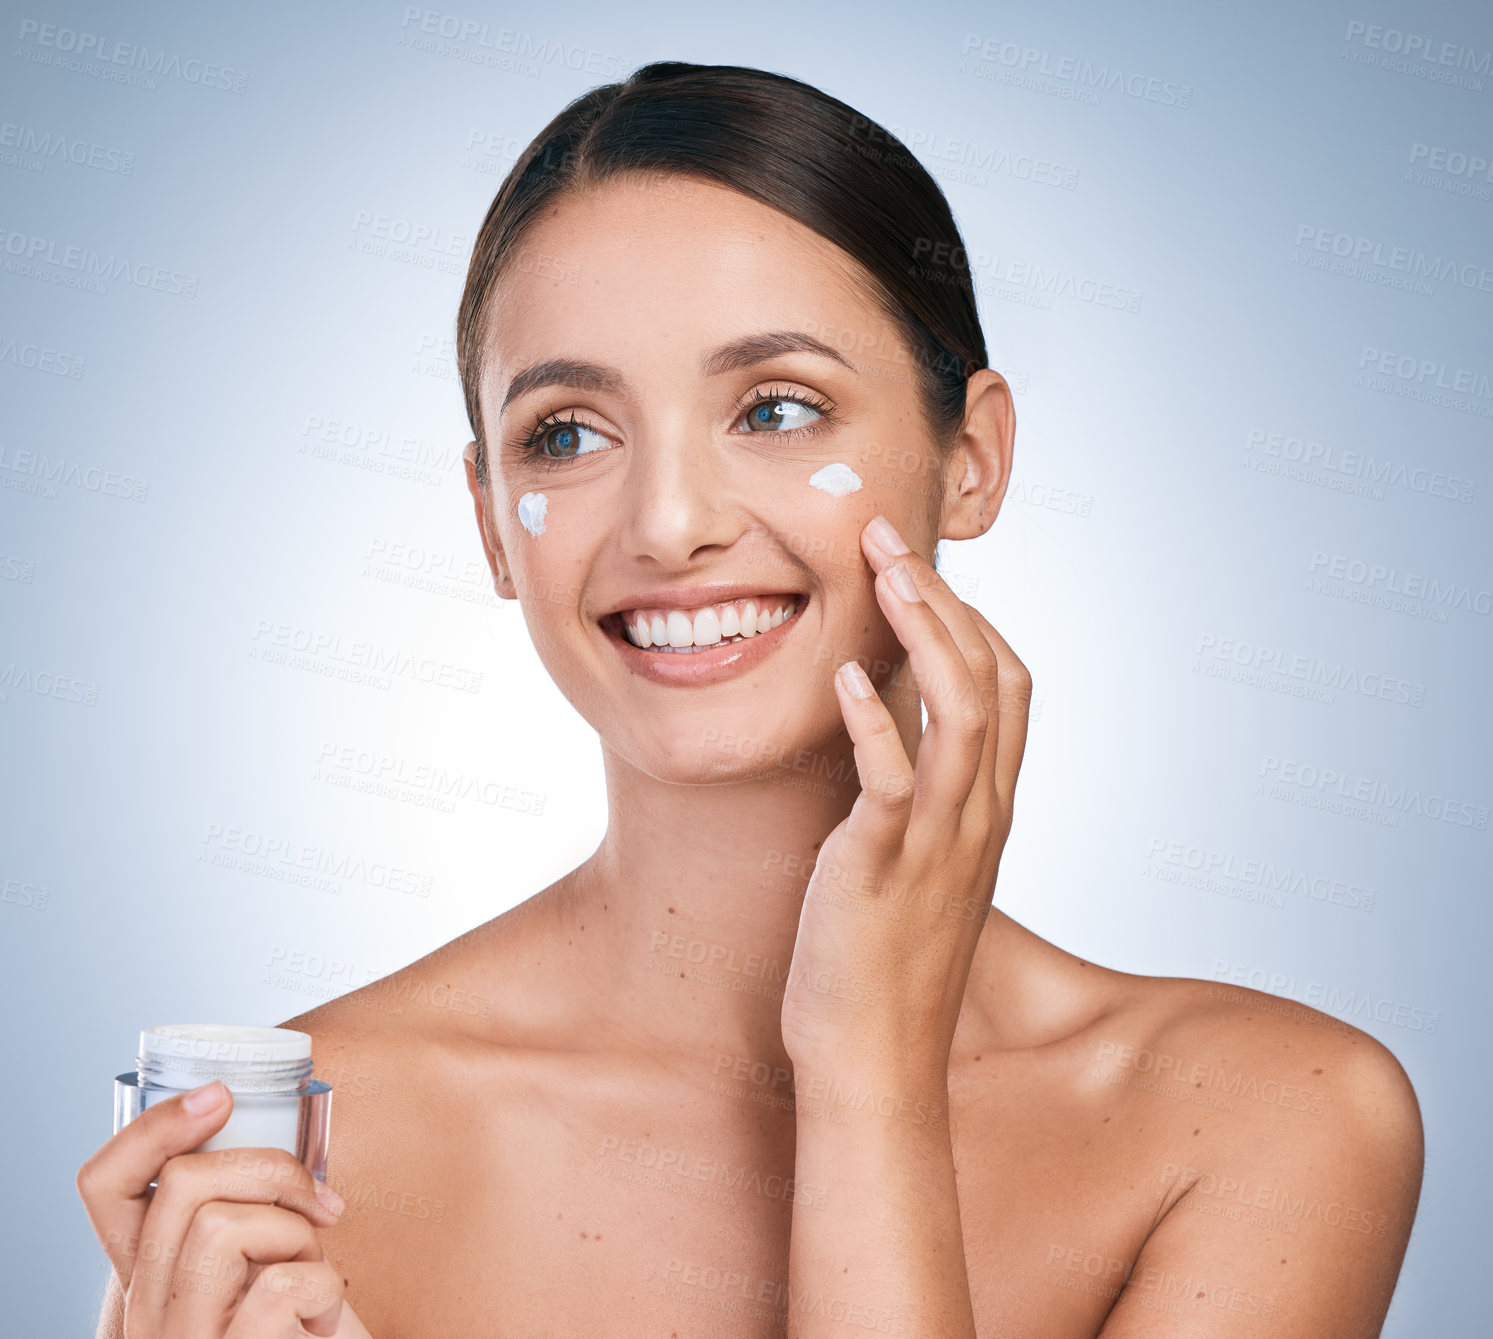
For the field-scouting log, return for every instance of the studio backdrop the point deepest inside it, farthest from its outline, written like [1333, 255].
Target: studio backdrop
[269, 734]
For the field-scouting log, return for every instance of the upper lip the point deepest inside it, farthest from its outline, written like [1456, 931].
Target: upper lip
[693, 597]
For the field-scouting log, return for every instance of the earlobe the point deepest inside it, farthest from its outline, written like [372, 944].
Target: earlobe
[981, 467]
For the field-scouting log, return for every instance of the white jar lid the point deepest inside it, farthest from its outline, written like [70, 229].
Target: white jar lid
[227, 1043]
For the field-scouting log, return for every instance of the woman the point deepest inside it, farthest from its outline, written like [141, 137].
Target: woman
[769, 1056]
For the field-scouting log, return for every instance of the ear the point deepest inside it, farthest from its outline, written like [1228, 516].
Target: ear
[492, 546]
[980, 467]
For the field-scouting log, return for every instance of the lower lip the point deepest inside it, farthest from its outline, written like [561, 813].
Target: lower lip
[705, 667]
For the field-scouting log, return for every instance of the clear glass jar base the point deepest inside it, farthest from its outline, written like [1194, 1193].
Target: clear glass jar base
[298, 1122]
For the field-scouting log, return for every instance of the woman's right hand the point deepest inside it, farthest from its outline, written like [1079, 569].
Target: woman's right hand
[216, 1221]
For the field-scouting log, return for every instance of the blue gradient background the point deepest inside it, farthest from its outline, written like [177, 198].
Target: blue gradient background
[1139, 523]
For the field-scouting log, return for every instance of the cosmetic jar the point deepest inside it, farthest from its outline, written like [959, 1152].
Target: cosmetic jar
[276, 1102]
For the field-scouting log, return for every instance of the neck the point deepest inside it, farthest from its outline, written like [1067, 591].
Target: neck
[679, 929]
[691, 902]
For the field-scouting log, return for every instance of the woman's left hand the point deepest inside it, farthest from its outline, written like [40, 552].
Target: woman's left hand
[902, 887]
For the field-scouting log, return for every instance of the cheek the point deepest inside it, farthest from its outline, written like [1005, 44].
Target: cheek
[834, 546]
[531, 512]
[836, 479]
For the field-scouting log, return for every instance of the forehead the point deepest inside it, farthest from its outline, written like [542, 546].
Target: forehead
[649, 270]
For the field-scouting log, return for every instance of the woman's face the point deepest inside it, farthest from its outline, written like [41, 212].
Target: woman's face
[689, 466]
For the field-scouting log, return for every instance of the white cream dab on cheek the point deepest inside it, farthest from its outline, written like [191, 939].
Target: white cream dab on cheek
[836, 479]
[531, 509]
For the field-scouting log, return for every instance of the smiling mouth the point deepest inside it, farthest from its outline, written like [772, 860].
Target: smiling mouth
[690, 632]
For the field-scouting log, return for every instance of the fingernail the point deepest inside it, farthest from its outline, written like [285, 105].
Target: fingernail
[329, 1198]
[902, 582]
[854, 679]
[201, 1100]
[884, 535]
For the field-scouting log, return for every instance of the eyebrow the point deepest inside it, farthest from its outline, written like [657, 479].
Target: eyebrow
[732, 357]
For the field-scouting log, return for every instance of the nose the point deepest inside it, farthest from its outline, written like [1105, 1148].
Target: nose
[677, 496]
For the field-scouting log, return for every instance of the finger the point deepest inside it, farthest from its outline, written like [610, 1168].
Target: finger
[1014, 703]
[207, 1278]
[957, 718]
[190, 1180]
[115, 1182]
[286, 1292]
[956, 614]
[961, 620]
[877, 822]
[1004, 683]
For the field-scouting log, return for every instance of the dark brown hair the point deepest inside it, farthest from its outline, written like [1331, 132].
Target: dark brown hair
[782, 142]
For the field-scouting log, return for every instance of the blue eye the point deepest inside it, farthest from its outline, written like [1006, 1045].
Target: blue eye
[779, 413]
[770, 414]
[566, 436]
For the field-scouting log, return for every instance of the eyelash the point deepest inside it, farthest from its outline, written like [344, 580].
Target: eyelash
[529, 446]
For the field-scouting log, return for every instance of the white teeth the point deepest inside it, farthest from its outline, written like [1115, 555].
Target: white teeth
[707, 627]
[675, 630]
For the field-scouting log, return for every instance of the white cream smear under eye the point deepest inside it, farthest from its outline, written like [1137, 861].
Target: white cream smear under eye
[531, 509]
[837, 479]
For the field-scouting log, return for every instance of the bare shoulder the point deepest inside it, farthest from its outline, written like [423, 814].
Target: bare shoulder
[407, 1056]
[1273, 1055]
[383, 1043]
[1297, 1153]
[1283, 1073]
[456, 988]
